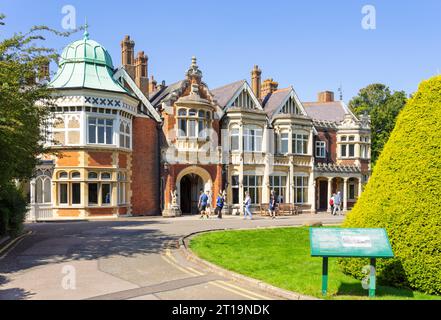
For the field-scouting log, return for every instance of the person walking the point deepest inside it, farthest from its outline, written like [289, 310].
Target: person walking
[337, 204]
[331, 203]
[272, 205]
[247, 205]
[219, 205]
[202, 205]
[209, 203]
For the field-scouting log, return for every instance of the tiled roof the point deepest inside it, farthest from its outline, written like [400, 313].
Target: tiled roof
[272, 101]
[225, 93]
[160, 96]
[326, 111]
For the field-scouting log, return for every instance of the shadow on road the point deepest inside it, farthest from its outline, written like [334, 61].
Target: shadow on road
[62, 242]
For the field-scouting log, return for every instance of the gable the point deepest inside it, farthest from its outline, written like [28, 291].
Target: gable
[290, 107]
[244, 98]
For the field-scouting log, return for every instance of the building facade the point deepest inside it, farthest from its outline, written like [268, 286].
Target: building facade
[124, 145]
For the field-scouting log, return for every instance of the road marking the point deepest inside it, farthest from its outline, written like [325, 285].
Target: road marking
[10, 246]
[168, 257]
[177, 266]
[217, 284]
[245, 290]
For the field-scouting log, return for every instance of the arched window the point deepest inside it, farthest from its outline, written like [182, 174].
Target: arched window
[192, 113]
[105, 175]
[182, 112]
[43, 189]
[75, 175]
[127, 136]
[63, 175]
[93, 175]
[121, 135]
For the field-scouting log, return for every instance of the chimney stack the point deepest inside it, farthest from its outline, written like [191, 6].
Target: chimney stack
[326, 96]
[128, 55]
[268, 87]
[141, 77]
[152, 84]
[256, 80]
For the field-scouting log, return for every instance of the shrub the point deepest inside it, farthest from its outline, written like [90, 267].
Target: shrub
[13, 209]
[404, 196]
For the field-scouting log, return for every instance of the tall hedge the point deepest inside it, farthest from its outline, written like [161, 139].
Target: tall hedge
[404, 196]
[13, 208]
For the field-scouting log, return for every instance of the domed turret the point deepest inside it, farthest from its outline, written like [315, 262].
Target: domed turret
[86, 64]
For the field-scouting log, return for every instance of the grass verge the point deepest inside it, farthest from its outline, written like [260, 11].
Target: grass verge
[281, 257]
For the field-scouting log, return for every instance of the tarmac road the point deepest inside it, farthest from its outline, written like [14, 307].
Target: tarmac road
[131, 258]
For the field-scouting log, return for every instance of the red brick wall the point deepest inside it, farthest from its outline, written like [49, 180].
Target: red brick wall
[145, 167]
[100, 159]
[122, 160]
[330, 137]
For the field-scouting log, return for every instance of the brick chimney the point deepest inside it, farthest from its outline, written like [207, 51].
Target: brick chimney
[141, 76]
[326, 96]
[256, 80]
[152, 84]
[128, 55]
[268, 86]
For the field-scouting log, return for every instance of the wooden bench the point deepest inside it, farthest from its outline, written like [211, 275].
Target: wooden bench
[281, 209]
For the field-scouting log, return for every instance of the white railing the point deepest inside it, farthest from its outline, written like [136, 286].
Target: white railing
[40, 212]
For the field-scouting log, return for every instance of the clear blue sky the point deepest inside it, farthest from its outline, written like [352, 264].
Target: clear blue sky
[313, 45]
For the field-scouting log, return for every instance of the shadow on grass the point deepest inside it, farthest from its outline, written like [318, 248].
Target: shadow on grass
[356, 289]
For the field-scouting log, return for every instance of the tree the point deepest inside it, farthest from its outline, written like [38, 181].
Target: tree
[404, 196]
[383, 106]
[24, 109]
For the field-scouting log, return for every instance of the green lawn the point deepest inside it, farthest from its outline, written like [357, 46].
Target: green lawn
[281, 257]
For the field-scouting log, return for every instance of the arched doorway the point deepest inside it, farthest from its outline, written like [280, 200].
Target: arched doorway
[190, 186]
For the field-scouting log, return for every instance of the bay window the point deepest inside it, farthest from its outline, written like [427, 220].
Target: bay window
[235, 189]
[284, 140]
[234, 139]
[193, 123]
[100, 190]
[252, 138]
[301, 189]
[300, 143]
[100, 131]
[253, 184]
[278, 185]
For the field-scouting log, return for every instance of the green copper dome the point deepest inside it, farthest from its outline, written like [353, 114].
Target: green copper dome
[86, 64]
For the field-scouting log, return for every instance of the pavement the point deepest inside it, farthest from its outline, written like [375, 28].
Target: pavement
[130, 258]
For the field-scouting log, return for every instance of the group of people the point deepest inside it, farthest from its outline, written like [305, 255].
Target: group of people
[205, 201]
[335, 203]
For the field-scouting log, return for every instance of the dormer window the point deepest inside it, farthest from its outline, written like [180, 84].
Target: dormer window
[193, 124]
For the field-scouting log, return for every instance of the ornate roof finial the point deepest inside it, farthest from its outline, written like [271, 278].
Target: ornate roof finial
[86, 33]
[193, 73]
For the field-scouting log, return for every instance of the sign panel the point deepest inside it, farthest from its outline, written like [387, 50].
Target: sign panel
[348, 242]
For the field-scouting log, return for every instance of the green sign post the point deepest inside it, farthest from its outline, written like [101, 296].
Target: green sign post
[349, 243]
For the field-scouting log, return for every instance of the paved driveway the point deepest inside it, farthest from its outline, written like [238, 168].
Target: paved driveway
[133, 258]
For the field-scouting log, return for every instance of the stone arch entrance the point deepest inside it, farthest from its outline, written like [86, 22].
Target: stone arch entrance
[188, 185]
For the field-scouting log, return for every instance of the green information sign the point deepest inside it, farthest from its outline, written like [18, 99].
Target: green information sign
[347, 242]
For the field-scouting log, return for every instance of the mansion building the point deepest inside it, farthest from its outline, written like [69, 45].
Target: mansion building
[125, 145]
